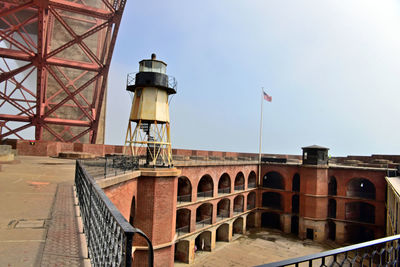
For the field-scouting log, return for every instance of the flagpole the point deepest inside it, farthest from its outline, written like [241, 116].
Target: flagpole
[261, 125]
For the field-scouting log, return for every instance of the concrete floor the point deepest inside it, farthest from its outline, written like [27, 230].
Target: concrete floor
[37, 216]
[257, 247]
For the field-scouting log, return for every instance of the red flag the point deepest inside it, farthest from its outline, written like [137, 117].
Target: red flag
[267, 97]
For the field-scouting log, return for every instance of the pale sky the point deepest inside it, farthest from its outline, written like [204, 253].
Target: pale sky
[332, 69]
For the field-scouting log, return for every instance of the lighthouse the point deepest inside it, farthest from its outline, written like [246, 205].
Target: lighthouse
[148, 133]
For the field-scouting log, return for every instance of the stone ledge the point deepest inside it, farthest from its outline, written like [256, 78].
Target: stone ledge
[160, 172]
[107, 182]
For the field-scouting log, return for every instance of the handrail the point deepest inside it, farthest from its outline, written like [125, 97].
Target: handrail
[205, 194]
[184, 198]
[382, 247]
[109, 236]
[182, 230]
[239, 187]
[251, 185]
[224, 190]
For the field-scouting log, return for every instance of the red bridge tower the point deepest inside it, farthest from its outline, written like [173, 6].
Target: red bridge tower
[55, 58]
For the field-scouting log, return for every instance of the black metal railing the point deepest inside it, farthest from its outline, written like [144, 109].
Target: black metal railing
[251, 206]
[251, 185]
[360, 194]
[239, 187]
[222, 214]
[225, 190]
[182, 230]
[111, 165]
[109, 236]
[205, 194]
[203, 223]
[237, 209]
[379, 252]
[131, 80]
[184, 198]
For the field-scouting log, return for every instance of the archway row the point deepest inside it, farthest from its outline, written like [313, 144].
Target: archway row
[205, 187]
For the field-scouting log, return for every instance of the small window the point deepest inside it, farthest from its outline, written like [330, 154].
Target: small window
[305, 155]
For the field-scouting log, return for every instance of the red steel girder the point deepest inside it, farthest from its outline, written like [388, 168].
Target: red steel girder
[66, 100]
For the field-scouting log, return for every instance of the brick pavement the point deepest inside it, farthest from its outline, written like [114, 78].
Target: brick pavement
[62, 247]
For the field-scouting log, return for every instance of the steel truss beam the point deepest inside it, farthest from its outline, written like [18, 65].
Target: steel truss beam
[54, 62]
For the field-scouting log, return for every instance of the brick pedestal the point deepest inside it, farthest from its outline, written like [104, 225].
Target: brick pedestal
[156, 197]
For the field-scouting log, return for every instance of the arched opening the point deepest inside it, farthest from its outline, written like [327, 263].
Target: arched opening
[237, 226]
[271, 220]
[224, 184]
[294, 225]
[206, 187]
[359, 233]
[203, 241]
[360, 187]
[133, 211]
[181, 253]
[182, 221]
[223, 233]
[331, 230]
[239, 182]
[223, 208]
[184, 190]
[238, 204]
[360, 212]
[295, 204]
[332, 186]
[251, 200]
[251, 220]
[252, 182]
[203, 215]
[331, 208]
[296, 183]
[273, 180]
[272, 200]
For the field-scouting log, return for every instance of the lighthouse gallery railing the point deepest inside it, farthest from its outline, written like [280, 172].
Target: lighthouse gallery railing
[109, 236]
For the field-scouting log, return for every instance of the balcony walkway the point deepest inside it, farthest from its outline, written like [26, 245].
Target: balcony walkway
[38, 224]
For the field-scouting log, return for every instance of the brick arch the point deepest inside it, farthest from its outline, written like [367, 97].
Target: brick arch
[223, 208]
[251, 200]
[222, 233]
[360, 211]
[273, 179]
[205, 186]
[252, 178]
[361, 188]
[184, 189]
[204, 212]
[237, 225]
[240, 181]
[332, 186]
[224, 184]
[273, 200]
[203, 241]
[181, 252]
[239, 203]
[183, 219]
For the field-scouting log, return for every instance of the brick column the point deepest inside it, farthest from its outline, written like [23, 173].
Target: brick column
[156, 214]
[286, 223]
